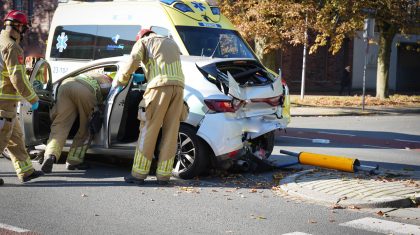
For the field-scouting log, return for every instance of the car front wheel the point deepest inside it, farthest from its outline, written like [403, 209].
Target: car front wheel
[192, 156]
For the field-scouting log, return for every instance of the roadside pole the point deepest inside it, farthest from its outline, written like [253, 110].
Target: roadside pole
[368, 33]
[302, 89]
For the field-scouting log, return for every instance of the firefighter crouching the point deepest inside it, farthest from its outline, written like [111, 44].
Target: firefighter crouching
[13, 86]
[162, 106]
[76, 96]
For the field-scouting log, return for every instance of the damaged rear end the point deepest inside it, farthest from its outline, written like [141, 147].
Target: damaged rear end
[252, 103]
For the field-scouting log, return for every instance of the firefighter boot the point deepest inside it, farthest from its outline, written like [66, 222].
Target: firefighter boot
[48, 163]
[81, 166]
[133, 180]
[163, 182]
[34, 175]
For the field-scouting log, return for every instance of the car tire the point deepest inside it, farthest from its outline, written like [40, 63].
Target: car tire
[192, 157]
[265, 142]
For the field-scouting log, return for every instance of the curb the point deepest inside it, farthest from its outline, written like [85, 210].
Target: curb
[289, 186]
[311, 111]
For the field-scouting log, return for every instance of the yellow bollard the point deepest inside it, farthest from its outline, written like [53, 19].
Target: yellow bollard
[327, 161]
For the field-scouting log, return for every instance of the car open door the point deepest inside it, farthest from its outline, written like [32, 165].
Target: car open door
[36, 124]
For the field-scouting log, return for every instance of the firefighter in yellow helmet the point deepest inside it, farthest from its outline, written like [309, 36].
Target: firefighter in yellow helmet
[13, 86]
[161, 106]
[79, 95]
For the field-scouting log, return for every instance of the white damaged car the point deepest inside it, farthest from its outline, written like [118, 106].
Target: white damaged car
[236, 105]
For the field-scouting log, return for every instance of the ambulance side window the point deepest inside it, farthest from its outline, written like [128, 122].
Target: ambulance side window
[91, 42]
[161, 31]
[74, 41]
[115, 40]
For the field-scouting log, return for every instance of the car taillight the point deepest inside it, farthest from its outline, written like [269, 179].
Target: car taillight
[273, 101]
[223, 106]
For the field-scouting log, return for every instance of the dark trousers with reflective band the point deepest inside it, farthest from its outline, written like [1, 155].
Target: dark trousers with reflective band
[11, 137]
[163, 110]
[74, 98]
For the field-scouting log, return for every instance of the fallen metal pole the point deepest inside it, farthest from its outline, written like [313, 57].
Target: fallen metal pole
[331, 162]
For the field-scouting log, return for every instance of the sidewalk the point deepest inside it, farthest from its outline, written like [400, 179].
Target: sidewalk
[309, 111]
[388, 189]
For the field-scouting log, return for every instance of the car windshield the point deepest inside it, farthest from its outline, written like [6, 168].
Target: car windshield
[214, 42]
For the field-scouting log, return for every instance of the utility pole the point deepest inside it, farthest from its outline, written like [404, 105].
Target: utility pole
[302, 89]
[368, 33]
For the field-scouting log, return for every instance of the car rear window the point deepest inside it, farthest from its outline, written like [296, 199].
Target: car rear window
[93, 41]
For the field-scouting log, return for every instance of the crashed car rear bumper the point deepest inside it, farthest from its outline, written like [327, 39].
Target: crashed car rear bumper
[226, 135]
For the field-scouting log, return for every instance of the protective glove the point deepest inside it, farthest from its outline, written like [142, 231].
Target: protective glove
[35, 106]
[138, 78]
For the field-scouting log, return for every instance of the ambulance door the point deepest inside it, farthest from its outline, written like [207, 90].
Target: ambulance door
[36, 124]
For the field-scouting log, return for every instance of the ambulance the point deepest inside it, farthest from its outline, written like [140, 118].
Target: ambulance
[85, 31]
[236, 104]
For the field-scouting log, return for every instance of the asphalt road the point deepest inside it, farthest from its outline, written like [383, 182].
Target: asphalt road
[99, 202]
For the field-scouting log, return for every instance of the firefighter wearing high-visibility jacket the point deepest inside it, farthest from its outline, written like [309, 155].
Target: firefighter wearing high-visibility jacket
[77, 96]
[13, 86]
[161, 106]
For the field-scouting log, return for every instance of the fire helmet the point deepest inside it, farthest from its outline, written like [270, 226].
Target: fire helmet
[16, 16]
[142, 33]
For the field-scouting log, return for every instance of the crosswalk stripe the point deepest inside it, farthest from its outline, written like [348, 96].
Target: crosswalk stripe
[13, 228]
[383, 226]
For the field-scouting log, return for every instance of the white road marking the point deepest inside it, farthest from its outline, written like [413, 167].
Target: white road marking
[334, 133]
[382, 226]
[407, 140]
[296, 138]
[296, 233]
[374, 146]
[13, 228]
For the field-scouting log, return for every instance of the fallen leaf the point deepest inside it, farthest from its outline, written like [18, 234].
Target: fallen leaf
[261, 217]
[332, 221]
[253, 190]
[214, 190]
[84, 195]
[337, 206]
[312, 222]
[380, 213]
[353, 207]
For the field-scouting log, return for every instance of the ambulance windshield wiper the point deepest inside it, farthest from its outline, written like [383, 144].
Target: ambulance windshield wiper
[215, 49]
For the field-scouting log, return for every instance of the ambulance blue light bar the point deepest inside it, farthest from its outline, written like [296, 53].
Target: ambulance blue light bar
[183, 7]
[169, 2]
[215, 10]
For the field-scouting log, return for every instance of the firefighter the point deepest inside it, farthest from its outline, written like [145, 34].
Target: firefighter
[13, 86]
[161, 105]
[77, 96]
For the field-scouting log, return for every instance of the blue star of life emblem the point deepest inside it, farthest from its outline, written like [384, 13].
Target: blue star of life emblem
[116, 38]
[199, 6]
[61, 42]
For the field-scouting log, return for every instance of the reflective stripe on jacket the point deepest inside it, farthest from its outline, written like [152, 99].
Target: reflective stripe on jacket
[160, 59]
[14, 84]
[92, 83]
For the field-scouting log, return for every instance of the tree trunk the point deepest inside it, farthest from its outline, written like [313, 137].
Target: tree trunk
[387, 33]
[268, 58]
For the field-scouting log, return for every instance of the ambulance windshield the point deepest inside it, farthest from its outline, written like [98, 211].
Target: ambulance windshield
[214, 42]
